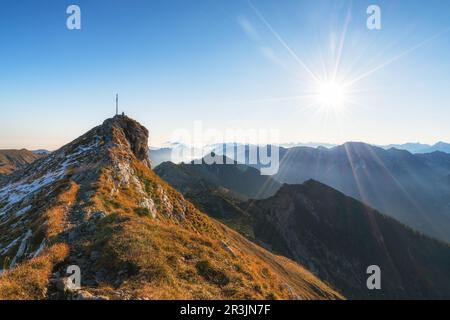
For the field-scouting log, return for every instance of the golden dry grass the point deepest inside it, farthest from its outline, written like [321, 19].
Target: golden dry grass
[55, 216]
[180, 254]
[187, 259]
[29, 280]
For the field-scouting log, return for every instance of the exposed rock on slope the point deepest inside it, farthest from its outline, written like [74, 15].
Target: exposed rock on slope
[95, 203]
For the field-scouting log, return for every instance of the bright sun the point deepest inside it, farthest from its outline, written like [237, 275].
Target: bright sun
[331, 94]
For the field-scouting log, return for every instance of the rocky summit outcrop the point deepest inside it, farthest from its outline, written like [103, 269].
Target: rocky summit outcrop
[134, 135]
[96, 205]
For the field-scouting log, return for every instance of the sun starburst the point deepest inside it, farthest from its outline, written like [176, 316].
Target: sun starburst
[331, 94]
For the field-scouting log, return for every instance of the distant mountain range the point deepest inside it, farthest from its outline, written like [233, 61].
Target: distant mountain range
[42, 151]
[160, 155]
[421, 148]
[410, 187]
[411, 147]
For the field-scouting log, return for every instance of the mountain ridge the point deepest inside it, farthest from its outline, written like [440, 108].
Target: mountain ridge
[228, 173]
[14, 159]
[95, 203]
[407, 186]
[338, 237]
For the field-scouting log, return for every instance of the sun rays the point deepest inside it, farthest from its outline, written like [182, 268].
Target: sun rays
[333, 91]
[331, 94]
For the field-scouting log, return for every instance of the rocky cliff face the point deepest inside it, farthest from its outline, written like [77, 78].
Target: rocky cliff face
[130, 133]
[96, 204]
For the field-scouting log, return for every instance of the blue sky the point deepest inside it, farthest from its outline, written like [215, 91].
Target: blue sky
[227, 63]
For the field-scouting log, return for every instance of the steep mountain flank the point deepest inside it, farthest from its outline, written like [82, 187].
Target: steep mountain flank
[338, 237]
[96, 204]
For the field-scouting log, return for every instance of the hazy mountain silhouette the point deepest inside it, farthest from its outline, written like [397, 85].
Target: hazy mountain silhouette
[241, 179]
[420, 147]
[440, 146]
[407, 186]
[410, 187]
